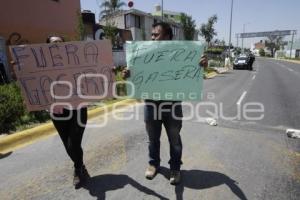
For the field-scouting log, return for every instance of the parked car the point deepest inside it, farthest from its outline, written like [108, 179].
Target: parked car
[243, 62]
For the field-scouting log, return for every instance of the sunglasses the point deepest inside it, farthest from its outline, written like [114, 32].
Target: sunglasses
[155, 34]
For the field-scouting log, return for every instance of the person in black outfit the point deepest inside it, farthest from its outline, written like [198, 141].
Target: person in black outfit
[71, 132]
[251, 61]
[3, 77]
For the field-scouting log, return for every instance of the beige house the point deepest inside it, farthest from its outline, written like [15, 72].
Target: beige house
[139, 23]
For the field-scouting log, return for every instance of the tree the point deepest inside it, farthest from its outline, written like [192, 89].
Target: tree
[262, 52]
[218, 42]
[274, 43]
[237, 51]
[207, 30]
[188, 25]
[110, 31]
[111, 6]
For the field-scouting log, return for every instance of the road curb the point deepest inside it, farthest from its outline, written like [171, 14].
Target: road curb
[287, 60]
[29, 136]
[291, 61]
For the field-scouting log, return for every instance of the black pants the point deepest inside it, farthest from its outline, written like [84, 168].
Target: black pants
[3, 77]
[71, 131]
[156, 114]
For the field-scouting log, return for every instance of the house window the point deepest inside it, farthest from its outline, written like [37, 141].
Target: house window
[132, 21]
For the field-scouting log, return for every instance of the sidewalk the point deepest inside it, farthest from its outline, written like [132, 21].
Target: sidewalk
[221, 70]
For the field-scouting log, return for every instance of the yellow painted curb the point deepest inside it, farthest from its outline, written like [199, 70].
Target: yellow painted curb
[211, 75]
[29, 136]
[104, 109]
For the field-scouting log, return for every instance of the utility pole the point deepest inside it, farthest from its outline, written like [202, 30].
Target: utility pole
[237, 40]
[229, 44]
[243, 38]
[292, 43]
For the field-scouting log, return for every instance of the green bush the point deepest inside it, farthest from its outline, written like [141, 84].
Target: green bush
[262, 52]
[218, 51]
[11, 106]
[121, 87]
[13, 114]
[215, 63]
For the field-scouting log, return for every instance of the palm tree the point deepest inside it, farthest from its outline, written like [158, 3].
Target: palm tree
[111, 6]
[188, 25]
[207, 30]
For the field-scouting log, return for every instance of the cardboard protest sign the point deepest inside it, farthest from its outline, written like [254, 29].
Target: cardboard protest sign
[70, 72]
[165, 70]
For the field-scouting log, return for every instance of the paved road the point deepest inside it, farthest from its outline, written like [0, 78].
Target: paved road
[238, 159]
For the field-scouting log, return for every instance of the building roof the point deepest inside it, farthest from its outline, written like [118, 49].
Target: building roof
[168, 12]
[259, 45]
[142, 13]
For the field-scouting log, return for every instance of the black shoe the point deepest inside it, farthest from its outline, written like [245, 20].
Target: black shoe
[80, 176]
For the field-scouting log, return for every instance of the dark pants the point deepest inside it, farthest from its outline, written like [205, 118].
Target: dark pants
[3, 77]
[155, 117]
[71, 132]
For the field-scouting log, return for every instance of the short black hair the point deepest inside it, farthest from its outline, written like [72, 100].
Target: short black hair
[50, 36]
[166, 28]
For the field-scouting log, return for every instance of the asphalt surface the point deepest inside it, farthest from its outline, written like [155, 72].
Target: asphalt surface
[240, 158]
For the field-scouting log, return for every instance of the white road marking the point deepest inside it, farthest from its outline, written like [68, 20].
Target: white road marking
[241, 98]
[285, 67]
[253, 77]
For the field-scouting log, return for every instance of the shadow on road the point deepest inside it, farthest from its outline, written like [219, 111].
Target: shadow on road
[5, 155]
[99, 185]
[198, 180]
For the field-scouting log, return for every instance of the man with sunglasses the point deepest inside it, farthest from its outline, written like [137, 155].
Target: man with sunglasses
[158, 113]
[172, 124]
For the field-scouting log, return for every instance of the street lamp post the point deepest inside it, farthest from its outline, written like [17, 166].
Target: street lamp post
[243, 37]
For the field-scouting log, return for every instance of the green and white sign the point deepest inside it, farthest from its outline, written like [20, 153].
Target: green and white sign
[165, 70]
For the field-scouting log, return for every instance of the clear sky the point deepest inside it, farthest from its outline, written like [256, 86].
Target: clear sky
[257, 15]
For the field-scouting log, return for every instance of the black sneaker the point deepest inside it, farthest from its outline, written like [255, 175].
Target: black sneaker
[80, 176]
